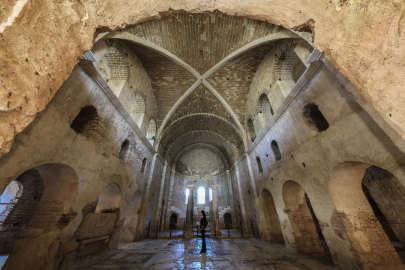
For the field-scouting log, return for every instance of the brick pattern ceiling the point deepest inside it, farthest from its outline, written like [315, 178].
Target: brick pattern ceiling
[201, 40]
[169, 80]
[201, 100]
[232, 81]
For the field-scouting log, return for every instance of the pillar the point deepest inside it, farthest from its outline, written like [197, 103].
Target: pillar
[215, 229]
[169, 199]
[159, 206]
[190, 213]
[253, 184]
[242, 202]
[146, 200]
[231, 200]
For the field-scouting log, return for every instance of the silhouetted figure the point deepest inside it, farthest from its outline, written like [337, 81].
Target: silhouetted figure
[203, 225]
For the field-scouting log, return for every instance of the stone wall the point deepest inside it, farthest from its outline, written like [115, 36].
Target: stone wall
[95, 161]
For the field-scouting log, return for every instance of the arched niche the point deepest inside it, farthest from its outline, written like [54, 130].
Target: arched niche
[109, 199]
[50, 190]
[251, 130]
[138, 109]
[354, 219]
[272, 223]
[299, 214]
[264, 112]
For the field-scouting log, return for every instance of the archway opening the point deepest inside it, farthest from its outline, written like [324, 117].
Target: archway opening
[369, 201]
[228, 220]
[47, 191]
[314, 117]
[86, 122]
[251, 129]
[273, 230]
[173, 221]
[302, 223]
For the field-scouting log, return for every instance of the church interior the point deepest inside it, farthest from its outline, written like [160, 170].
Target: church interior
[120, 121]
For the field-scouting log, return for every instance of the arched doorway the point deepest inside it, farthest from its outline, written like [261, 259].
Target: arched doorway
[369, 201]
[228, 220]
[303, 226]
[51, 188]
[173, 222]
[272, 228]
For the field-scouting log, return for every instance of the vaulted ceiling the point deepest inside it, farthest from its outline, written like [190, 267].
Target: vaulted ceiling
[201, 67]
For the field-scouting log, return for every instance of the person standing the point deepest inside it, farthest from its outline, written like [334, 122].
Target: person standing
[203, 224]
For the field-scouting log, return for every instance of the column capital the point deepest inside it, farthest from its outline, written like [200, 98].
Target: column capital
[214, 187]
[190, 186]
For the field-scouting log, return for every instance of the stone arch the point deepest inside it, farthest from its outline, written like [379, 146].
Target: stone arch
[227, 218]
[354, 219]
[314, 118]
[138, 109]
[131, 218]
[272, 229]
[52, 189]
[300, 216]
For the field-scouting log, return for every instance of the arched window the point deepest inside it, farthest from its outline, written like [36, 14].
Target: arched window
[124, 150]
[144, 162]
[251, 129]
[259, 164]
[263, 105]
[276, 150]
[138, 109]
[187, 193]
[210, 194]
[201, 195]
[314, 117]
[151, 131]
[87, 121]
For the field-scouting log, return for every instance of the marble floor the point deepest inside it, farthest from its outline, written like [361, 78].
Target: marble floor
[221, 254]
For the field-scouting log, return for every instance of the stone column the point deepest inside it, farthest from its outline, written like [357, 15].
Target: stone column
[215, 212]
[159, 206]
[170, 199]
[144, 223]
[190, 212]
[242, 202]
[253, 183]
[231, 200]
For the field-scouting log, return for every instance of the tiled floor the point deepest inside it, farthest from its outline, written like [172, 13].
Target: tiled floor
[221, 254]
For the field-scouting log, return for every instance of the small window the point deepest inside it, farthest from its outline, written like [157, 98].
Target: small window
[86, 121]
[315, 118]
[187, 193]
[259, 165]
[251, 129]
[210, 194]
[276, 150]
[144, 163]
[124, 150]
[201, 195]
